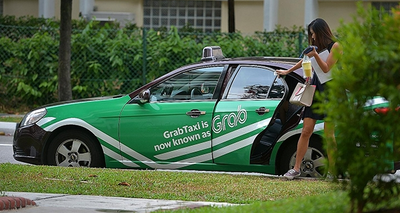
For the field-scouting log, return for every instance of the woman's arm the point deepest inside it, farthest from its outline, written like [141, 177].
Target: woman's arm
[285, 72]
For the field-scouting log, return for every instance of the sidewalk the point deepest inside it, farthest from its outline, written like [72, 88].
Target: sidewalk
[63, 203]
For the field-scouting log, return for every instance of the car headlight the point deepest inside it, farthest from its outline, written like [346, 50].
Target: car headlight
[33, 116]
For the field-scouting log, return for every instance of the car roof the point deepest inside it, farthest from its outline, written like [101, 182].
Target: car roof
[276, 62]
[283, 60]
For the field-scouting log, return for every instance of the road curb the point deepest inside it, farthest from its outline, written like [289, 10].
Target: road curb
[11, 203]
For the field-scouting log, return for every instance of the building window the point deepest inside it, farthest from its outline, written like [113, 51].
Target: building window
[201, 15]
[386, 6]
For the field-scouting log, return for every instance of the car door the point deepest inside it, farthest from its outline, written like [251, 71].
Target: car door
[173, 130]
[245, 110]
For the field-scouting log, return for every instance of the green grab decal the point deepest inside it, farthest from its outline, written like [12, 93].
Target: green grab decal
[163, 130]
[236, 124]
[184, 134]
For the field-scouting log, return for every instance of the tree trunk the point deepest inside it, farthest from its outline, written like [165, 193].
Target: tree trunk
[231, 14]
[64, 55]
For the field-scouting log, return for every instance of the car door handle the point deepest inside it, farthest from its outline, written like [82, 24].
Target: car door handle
[195, 113]
[262, 110]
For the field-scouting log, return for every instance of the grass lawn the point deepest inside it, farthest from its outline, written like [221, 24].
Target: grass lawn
[157, 184]
[253, 193]
[10, 119]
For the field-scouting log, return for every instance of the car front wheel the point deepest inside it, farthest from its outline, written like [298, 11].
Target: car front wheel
[313, 164]
[75, 149]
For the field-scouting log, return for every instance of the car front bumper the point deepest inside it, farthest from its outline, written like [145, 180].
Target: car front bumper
[28, 144]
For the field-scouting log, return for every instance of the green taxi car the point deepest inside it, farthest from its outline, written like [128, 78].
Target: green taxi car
[220, 114]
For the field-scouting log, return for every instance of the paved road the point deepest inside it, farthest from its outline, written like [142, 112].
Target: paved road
[6, 151]
[6, 140]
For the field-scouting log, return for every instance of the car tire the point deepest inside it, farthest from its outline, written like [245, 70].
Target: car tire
[75, 149]
[313, 164]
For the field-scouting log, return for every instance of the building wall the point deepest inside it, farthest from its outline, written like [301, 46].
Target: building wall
[291, 13]
[122, 6]
[129, 6]
[248, 13]
[329, 12]
[104, 9]
[74, 13]
[20, 8]
[224, 16]
[248, 16]
[31, 8]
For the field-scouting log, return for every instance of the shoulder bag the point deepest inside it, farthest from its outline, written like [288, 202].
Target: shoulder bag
[303, 94]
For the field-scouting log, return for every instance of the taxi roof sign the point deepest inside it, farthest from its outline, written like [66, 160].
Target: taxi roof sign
[212, 53]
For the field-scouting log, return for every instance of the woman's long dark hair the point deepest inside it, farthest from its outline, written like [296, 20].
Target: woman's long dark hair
[322, 33]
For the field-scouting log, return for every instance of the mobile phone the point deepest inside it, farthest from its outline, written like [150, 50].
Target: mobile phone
[309, 49]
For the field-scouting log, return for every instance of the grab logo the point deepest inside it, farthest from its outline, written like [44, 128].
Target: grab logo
[231, 120]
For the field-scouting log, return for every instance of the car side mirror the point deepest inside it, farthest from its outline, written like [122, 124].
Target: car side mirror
[144, 96]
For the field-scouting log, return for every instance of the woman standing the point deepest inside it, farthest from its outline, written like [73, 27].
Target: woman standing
[319, 35]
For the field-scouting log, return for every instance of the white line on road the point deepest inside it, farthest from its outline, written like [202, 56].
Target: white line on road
[5, 144]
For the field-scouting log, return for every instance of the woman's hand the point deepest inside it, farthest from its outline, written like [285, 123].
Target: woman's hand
[285, 72]
[282, 72]
[312, 53]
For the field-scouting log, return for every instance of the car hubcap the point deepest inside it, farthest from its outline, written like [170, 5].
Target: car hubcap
[312, 165]
[73, 153]
[73, 157]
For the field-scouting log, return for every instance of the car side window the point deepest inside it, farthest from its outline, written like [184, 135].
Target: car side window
[196, 84]
[255, 83]
[277, 89]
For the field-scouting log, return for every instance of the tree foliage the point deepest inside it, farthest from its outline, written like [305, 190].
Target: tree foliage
[367, 141]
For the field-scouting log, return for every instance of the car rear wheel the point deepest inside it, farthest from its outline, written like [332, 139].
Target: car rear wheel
[75, 149]
[313, 164]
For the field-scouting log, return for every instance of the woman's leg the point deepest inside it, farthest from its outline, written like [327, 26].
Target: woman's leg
[302, 144]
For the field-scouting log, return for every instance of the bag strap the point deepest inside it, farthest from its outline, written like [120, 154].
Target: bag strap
[308, 80]
[300, 90]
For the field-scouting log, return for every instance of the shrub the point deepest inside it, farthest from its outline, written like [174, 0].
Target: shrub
[369, 67]
[108, 60]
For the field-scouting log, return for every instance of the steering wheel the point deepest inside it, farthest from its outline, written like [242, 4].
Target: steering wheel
[195, 92]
